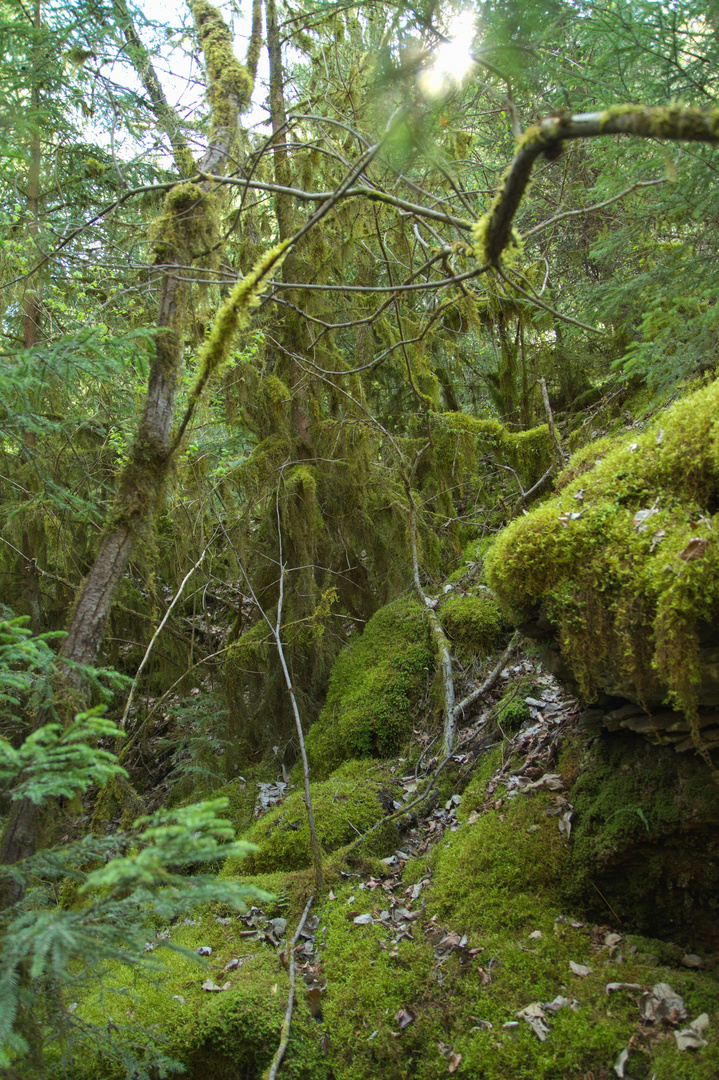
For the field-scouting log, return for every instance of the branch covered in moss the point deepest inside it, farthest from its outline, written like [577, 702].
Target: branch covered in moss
[493, 232]
[234, 315]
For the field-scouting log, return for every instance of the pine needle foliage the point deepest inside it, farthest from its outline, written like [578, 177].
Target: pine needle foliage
[92, 901]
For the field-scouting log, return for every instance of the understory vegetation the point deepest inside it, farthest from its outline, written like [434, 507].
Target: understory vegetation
[359, 505]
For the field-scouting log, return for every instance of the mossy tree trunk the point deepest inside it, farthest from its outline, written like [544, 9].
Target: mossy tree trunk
[184, 230]
[31, 301]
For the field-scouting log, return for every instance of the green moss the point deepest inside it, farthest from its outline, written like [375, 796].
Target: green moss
[498, 881]
[474, 624]
[374, 690]
[351, 801]
[674, 121]
[529, 452]
[504, 869]
[644, 837]
[229, 83]
[248, 655]
[616, 586]
[186, 226]
[220, 1035]
[473, 797]
[513, 715]
[241, 794]
[366, 988]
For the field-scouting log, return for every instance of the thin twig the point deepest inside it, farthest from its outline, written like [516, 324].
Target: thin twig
[558, 452]
[285, 1036]
[161, 627]
[440, 638]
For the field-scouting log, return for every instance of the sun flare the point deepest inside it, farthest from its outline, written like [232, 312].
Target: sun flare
[452, 60]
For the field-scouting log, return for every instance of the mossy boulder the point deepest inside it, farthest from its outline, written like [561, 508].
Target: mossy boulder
[410, 1008]
[353, 799]
[645, 843]
[624, 564]
[474, 624]
[375, 689]
[227, 1035]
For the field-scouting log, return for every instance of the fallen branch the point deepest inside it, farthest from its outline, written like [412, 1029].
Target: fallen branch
[271, 1073]
[491, 679]
[559, 454]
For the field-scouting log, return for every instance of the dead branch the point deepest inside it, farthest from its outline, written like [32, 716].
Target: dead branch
[271, 1073]
[491, 679]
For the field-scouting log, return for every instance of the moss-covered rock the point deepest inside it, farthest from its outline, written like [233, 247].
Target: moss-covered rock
[224, 1035]
[645, 842]
[474, 624]
[625, 563]
[410, 1008]
[375, 687]
[353, 799]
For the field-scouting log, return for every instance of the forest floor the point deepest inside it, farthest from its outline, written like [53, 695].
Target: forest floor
[445, 946]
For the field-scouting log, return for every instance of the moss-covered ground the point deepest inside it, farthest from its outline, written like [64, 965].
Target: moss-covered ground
[214, 1035]
[498, 881]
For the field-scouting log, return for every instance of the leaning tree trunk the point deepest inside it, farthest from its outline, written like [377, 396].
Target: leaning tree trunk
[183, 231]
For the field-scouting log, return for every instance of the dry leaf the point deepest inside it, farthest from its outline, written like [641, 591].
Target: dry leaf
[695, 549]
[611, 987]
[404, 1018]
[657, 538]
[662, 1004]
[620, 1063]
[692, 1038]
[580, 969]
[533, 1016]
[641, 518]
[314, 1000]
[454, 1062]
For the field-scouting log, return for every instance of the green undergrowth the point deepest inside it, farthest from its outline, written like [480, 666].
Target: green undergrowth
[374, 690]
[626, 592]
[497, 879]
[222, 1035]
[353, 799]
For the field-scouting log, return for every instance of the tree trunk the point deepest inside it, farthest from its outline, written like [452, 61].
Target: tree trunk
[186, 216]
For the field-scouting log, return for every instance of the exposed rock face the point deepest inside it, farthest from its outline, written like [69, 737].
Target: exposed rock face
[621, 705]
